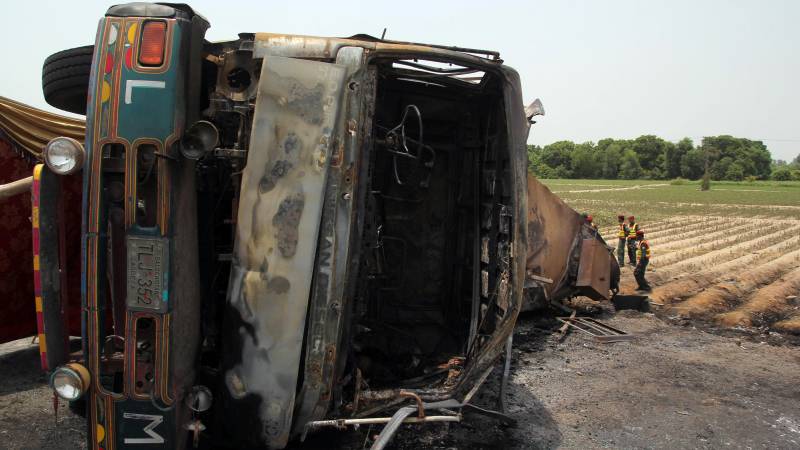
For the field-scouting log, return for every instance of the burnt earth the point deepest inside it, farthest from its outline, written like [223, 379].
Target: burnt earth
[675, 386]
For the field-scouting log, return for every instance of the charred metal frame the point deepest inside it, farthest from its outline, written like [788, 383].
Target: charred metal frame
[304, 145]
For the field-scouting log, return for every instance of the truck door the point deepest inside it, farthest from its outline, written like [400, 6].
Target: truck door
[282, 193]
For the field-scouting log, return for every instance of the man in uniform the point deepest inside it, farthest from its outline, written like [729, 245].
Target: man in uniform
[633, 227]
[643, 254]
[622, 234]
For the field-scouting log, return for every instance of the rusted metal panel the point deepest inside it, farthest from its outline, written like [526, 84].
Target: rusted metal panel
[594, 270]
[315, 47]
[328, 299]
[277, 231]
[553, 230]
[299, 46]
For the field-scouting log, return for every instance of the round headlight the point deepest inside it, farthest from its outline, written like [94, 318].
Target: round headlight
[199, 399]
[70, 381]
[199, 139]
[64, 155]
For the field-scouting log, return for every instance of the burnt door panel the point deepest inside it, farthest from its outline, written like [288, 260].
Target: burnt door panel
[283, 189]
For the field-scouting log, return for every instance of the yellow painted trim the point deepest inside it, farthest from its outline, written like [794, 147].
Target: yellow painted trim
[42, 344]
[35, 216]
[132, 33]
[35, 262]
[39, 304]
[101, 433]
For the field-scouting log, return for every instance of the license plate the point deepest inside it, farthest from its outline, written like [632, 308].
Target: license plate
[148, 261]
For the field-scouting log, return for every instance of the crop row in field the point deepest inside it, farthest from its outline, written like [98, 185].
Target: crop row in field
[730, 255]
[744, 273]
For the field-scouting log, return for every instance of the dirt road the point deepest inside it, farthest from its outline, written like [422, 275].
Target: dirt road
[673, 387]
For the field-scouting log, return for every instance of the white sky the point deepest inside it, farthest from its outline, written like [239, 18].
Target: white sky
[602, 68]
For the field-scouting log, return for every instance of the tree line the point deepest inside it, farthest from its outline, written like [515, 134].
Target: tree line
[651, 157]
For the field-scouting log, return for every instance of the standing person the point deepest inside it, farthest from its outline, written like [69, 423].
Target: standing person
[622, 234]
[633, 227]
[643, 253]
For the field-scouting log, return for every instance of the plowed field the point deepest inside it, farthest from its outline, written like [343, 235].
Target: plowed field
[729, 257]
[734, 272]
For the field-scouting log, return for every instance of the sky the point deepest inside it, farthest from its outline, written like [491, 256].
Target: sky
[613, 68]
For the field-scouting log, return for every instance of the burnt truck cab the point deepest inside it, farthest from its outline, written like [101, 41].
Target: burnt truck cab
[282, 233]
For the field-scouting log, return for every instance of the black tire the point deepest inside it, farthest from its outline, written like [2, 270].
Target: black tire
[65, 78]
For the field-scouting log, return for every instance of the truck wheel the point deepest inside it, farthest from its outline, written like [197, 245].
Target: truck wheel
[65, 78]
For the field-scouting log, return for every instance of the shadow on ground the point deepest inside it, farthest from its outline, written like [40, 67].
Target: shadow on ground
[27, 418]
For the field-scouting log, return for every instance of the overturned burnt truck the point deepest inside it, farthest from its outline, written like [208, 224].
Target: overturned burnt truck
[283, 233]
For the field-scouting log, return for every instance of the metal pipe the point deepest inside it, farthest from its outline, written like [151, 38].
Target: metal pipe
[342, 423]
[420, 407]
[15, 187]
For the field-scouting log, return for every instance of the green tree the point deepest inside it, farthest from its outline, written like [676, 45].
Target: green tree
[535, 164]
[611, 158]
[782, 173]
[692, 164]
[534, 157]
[659, 171]
[629, 167]
[673, 157]
[558, 156]
[584, 161]
[656, 159]
[603, 144]
[735, 172]
[719, 168]
[648, 148]
[752, 156]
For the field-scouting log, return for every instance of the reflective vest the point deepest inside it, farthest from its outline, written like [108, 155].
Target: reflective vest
[643, 247]
[623, 231]
[632, 229]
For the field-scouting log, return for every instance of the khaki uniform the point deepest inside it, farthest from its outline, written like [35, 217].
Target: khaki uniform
[622, 235]
[643, 254]
[632, 229]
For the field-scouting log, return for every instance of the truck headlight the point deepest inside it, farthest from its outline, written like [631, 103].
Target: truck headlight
[199, 399]
[70, 381]
[64, 155]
